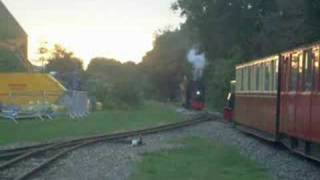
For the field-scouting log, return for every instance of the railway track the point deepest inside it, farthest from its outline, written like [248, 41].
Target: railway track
[26, 162]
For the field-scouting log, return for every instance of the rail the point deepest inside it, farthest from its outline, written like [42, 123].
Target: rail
[47, 153]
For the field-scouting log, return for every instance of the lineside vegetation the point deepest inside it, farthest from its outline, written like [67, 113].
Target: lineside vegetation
[198, 159]
[148, 115]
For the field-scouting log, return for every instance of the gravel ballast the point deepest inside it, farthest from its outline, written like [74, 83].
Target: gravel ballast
[116, 161]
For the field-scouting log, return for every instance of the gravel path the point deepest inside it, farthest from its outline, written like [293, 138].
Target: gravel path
[116, 161]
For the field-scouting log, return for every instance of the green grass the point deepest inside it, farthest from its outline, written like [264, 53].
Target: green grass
[199, 159]
[151, 114]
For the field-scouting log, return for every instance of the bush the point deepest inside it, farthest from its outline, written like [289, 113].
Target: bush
[116, 85]
[218, 76]
[123, 95]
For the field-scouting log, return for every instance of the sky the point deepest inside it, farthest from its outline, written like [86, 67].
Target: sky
[120, 29]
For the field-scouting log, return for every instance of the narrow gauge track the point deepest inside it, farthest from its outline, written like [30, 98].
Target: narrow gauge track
[6, 154]
[31, 160]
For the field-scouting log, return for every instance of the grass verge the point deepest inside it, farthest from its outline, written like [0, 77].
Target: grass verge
[151, 114]
[200, 159]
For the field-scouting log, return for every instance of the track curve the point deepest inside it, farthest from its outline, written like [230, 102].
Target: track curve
[45, 154]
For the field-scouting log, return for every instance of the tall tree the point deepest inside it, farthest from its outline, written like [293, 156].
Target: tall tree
[235, 31]
[165, 65]
[68, 68]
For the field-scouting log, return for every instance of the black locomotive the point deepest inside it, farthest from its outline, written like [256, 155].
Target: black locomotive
[195, 95]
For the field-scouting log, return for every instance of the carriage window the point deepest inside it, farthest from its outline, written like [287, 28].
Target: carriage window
[249, 78]
[253, 78]
[267, 75]
[294, 72]
[316, 70]
[257, 76]
[301, 61]
[301, 70]
[241, 79]
[308, 71]
[245, 79]
[261, 85]
[286, 72]
[237, 80]
[276, 74]
[272, 75]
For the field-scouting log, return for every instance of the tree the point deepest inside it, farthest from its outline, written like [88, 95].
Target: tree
[43, 51]
[165, 65]
[239, 30]
[68, 68]
[116, 85]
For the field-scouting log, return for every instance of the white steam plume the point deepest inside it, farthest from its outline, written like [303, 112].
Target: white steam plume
[198, 61]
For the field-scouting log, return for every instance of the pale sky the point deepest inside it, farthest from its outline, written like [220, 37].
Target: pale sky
[121, 29]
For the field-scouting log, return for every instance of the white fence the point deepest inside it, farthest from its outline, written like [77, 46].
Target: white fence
[76, 104]
[40, 105]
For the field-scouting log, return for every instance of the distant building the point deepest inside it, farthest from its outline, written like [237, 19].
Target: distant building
[13, 43]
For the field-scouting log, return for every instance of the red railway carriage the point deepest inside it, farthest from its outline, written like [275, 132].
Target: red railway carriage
[256, 97]
[278, 98]
[300, 100]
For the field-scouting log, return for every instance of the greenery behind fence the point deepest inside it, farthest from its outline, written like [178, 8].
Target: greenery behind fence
[228, 32]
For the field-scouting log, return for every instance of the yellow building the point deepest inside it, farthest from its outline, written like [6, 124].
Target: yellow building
[18, 85]
[29, 88]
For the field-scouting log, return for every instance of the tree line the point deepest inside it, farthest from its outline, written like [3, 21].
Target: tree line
[228, 32]
[125, 85]
[236, 31]
[114, 84]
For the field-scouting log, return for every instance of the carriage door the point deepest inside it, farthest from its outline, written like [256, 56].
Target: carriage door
[315, 98]
[303, 96]
[287, 106]
[291, 97]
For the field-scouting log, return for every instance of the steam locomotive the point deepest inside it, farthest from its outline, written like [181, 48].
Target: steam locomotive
[195, 95]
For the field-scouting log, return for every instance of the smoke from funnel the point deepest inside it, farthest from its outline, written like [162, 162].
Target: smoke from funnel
[198, 61]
